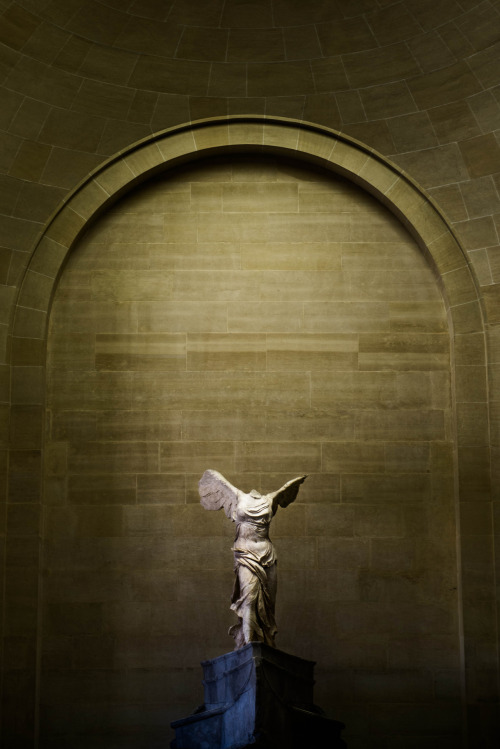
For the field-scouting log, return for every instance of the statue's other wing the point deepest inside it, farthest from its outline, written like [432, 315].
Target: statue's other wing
[285, 496]
[217, 492]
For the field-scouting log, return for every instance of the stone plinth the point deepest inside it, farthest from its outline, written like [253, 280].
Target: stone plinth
[257, 697]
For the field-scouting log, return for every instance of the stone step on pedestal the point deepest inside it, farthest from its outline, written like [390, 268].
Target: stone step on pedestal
[258, 697]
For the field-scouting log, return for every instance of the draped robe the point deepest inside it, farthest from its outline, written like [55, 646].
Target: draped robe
[254, 593]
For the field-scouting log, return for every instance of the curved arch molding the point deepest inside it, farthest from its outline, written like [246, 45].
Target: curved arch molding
[332, 151]
[291, 138]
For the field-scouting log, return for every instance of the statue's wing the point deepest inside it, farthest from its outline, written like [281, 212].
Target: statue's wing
[285, 496]
[217, 492]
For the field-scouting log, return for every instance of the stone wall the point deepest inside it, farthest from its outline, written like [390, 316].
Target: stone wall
[82, 79]
[266, 320]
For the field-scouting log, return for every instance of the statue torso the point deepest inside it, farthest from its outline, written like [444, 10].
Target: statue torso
[253, 515]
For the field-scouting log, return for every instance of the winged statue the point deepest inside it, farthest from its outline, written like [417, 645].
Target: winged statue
[254, 593]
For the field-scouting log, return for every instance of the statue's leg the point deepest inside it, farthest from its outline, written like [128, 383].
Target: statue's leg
[272, 584]
[249, 584]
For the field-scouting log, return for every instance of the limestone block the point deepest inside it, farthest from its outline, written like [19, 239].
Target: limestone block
[170, 317]
[177, 457]
[24, 487]
[446, 253]
[279, 78]
[236, 425]
[72, 130]
[212, 137]
[114, 457]
[454, 122]
[479, 618]
[106, 317]
[350, 106]
[343, 553]
[23, 519]
[353, 457]
[471, 383]
[459, 287]
[442, 86]
[26, 426]
[143, 106]
[20, 620]
[48, 257]
[20, 25]
[311, 351]
[375, 520]
[36, 291]
[102, 389]
[146, 36]
[485, 108]
[203, 44]
[244, 133]
[116, 63]
[369, 488]
[84, 522]
[20, 236]
[144, 425]
[412, 132]
[114, 177]
[28, 385]
[99, 489]
[226, 351]
[467, 318]
[481, 155]
[413, 352]
[161, 488]
[89, 200]
[345, 317]
[228, 79]
[11, 148]
[55, 490]
[56, 458]
[263, 317]
[378, 66]
[22, 552]
[435, 166]
[169, 76]
[100, 99]
[364, 389]
[472, 430]
[257, 456]
[476, 519]
[30, 161]
[490, 295]
[294, 557]
[477, 233]
[65, 167]
[74, 618]
[392, 555]
[331, 521]
[474, 474]
[485, 65]
[290, 524]
[350, 159]
[335, 423]
[145, 351]
[177, 145]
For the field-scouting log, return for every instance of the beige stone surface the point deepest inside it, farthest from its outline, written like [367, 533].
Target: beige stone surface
[79, 83]
[328, 356]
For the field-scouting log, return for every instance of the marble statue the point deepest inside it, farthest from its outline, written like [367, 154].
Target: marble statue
[254, 594]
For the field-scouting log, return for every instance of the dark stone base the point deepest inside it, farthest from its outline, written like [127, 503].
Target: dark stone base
[261, 698]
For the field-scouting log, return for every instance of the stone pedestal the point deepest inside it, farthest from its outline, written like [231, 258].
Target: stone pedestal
[258, 697]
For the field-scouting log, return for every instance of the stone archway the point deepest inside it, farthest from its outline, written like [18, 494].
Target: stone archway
[281, 137]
